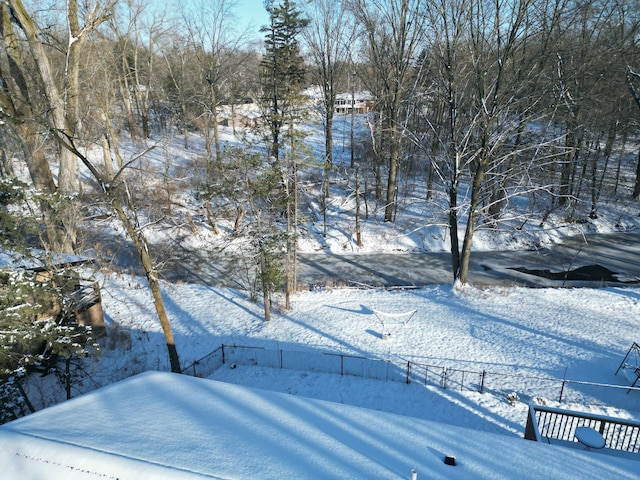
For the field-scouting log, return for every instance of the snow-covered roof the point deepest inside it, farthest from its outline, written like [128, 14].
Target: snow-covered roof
[360, 96]
[36, 261]
[248, 110]
[168, 426]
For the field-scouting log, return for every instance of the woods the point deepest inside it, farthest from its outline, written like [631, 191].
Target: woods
[485, 105]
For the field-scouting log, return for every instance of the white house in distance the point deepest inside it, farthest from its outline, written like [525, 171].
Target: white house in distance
[361, 102]
[168, 426]
[246, 115]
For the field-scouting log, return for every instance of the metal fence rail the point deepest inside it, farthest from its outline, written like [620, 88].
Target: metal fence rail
[407, 371]
[546, 424]
[206, 365]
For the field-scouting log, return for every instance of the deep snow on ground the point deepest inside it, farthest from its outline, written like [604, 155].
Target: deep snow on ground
[420, 225]
[579, 334]
[534, 334]
[527, 340]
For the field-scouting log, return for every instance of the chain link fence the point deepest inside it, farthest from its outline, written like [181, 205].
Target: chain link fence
[513, 387]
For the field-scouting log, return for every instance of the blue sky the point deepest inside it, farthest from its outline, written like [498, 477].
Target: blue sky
[252, 12]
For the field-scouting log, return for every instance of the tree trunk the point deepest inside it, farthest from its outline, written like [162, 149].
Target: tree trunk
[37, 164]
[631, 75]
[108, 186]
[294, 240]
[328, 150]
[58, 122]
[567, 174]
[471, 220]
[394, 154]
[237, 225]
[453, 230]
[6, 170]
[214, 122]
[636, 188]
[266, 291]
[435, 149]
[352, 128]
[125, 93]
[106, 157]
[358, 233]
[212, 219]
[42, 179]
[142, 247]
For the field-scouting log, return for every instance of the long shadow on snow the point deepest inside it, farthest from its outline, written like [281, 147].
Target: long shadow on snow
[584, 345]
[611, 357]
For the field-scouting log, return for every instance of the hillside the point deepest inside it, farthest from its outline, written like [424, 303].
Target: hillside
[167, 185]
[559, 347]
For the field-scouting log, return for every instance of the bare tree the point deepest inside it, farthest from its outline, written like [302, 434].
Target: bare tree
[447, 19]
[632, 78]
[62, 105]
[64, 126]
[484, 78]
[393, 33]
[19, 109]
[137, 45]
[210, 28]
[119, 198]
[329, 37]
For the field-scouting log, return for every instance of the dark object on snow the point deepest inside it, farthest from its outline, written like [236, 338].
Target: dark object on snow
[595, 273]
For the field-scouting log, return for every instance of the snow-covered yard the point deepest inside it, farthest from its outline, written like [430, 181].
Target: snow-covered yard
[527, 340]
[174, 428]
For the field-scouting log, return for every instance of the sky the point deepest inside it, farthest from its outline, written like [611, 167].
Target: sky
[252, 12]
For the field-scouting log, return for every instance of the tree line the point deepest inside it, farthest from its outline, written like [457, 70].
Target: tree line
[487, 100]
[467, 89]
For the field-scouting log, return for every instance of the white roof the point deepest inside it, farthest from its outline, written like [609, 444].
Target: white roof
[168, 426]
[248, 110]
[359, 96]
[39, 259]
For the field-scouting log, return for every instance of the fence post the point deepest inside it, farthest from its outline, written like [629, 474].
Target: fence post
[564, 378]
[482, 375]
[530, 429]
[443, 378]
[408, 372]
[223, 362]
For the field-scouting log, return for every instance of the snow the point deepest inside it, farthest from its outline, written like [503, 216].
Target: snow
[276, 422]
[252, 421]
[168, 426]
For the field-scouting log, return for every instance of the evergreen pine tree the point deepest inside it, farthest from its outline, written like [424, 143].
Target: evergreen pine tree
[38, 328]
[283, 69]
